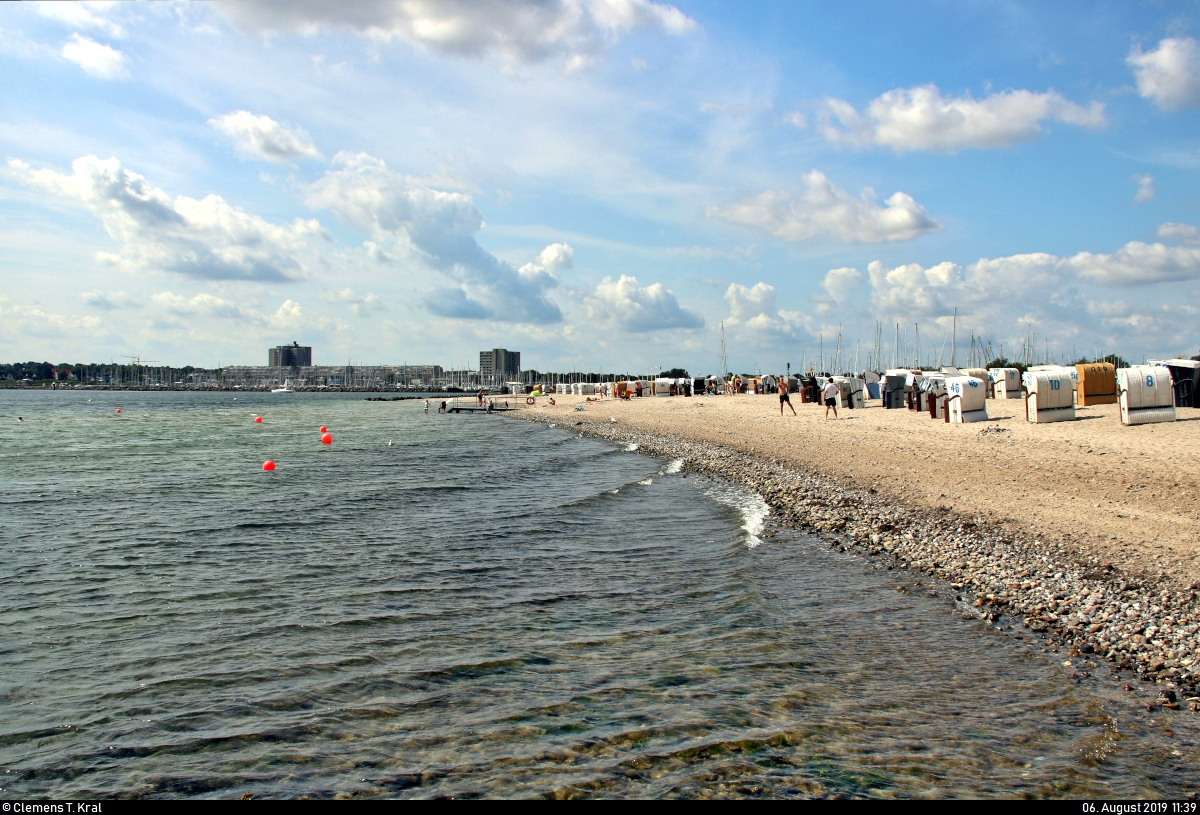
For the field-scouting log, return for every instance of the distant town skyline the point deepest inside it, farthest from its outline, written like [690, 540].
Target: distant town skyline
[602, 184]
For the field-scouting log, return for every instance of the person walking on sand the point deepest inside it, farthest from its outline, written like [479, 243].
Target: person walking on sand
[783, 396]
[830, 394]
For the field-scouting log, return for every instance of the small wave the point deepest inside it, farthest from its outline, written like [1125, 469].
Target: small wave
[647, 482]
[631, 447]
[753, 508]
[673, 467]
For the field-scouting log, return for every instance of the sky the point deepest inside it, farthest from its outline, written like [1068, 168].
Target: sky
[603, 185]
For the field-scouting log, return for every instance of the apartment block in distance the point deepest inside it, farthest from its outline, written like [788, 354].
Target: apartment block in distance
[290, 356]
[499, 365]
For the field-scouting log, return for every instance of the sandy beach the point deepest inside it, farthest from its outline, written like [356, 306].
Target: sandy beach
[1130, 495]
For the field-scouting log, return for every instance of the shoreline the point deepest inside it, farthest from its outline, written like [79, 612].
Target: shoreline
[1084, 605]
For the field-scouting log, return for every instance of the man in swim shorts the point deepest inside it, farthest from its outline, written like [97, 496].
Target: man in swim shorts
[830, 394]
[783, 396]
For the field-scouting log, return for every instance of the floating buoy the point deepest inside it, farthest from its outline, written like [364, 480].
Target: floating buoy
[258, 419]
[118, 410]
[322, 429]
[269, 465]
[326, 439]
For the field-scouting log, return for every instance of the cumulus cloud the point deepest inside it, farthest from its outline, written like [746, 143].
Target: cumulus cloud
[361, 305]
[1138, 263]
[202, 305]
[922, 118]
[752, 310]
[83, 14]
[290, 316]
[630, 306]
[261, 137]
[1169, 76]
[1145, 190]
[96, 59]
[1002, 297]
[556, 257]
[1036, 277]
[823, 209]
[519, 31]
[206, 238]
[1183, 233]
[841, 282]
[19, 322]
[438, 229]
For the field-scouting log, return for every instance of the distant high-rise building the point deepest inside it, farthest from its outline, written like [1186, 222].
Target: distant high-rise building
[499, 365]
[290, 356]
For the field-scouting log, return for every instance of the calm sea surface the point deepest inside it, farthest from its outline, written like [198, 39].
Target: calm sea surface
[474, 606]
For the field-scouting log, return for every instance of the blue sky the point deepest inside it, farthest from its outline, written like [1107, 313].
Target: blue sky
[600, 184]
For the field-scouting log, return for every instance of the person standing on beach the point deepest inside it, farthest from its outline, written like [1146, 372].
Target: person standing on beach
[783, 396]
[479, 397]
[830, 394]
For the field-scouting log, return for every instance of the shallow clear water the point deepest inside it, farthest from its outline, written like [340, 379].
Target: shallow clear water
[485, 607]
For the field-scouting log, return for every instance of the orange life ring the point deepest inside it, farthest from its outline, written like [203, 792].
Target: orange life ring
[529, 400]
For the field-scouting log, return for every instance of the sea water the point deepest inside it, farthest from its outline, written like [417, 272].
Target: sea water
[440, 605]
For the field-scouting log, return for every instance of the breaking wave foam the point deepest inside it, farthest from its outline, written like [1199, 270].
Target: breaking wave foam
[751, 505]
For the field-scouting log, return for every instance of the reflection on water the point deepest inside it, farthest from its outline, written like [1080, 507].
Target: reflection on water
[485, 607]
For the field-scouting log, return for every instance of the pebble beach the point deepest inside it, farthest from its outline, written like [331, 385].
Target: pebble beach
[1083, 533]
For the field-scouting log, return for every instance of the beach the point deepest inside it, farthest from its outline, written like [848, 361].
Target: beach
[1085, 531]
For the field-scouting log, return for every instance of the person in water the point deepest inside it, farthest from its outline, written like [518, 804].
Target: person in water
[426, 405]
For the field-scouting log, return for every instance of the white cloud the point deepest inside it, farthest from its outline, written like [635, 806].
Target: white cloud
[519, 31]
[206, 238]
[627, 305]
[100, 61]
[752, 311]
[827, 210]
[1145, 190]
[202, 305]
[1184, 233]
[437, 229]
[841, 282]
[361, 305]
[637, 64]
[556, 257]
[83, 14]
[1169, 76]
[1138, 263]
[922, 119]
[1003, 298]
[261, 137]
[19, 322]
[796, 119]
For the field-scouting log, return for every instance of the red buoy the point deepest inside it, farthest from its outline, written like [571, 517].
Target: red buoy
[269, 465]
[322, 429]
[258, 419]
[118, 410]
[327, 439]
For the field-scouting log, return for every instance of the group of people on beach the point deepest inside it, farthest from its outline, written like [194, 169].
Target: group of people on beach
[829, 394]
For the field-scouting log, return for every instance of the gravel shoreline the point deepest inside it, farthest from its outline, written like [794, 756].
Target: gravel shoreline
[1086, 607]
